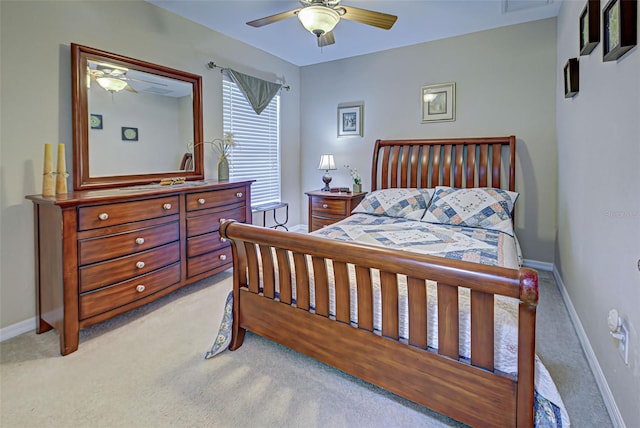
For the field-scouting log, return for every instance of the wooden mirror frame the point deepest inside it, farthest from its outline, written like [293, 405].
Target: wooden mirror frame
[82, 179]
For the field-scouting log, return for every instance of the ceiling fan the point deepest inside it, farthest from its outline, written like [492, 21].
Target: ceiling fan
[321, 16]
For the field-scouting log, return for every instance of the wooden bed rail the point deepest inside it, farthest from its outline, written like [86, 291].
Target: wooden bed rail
[290, 260]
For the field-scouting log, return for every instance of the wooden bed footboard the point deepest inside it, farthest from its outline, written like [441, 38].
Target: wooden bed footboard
[271, 266]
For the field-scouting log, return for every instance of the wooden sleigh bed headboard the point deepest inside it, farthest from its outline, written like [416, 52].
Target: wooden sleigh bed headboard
[269, 265]
[458, 162]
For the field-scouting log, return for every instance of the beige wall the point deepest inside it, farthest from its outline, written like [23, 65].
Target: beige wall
[36, 103]
[598, 244]
[505, 82]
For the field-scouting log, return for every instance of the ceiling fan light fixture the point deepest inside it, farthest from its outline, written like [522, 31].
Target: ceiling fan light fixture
[111, 84]
[318, 20]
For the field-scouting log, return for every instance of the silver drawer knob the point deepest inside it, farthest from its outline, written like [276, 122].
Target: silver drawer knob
[239, 195]
[222, 219]
[201, 201]
[325, 206]
[166, 207]
[140, 265]
[223, 239]
[103, 216]
[139, 241]
[140, 288]
[223, 257]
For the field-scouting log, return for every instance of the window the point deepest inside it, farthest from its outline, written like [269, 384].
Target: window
[257, 153]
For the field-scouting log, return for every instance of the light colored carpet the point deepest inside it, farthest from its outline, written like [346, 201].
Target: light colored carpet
[146, 369]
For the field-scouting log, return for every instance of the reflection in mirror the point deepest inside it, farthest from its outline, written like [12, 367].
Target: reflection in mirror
[133, 121]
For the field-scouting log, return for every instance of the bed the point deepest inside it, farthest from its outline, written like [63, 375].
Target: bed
[422, 326]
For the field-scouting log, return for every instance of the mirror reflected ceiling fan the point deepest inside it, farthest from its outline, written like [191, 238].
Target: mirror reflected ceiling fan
[321, 16]
[114, 78]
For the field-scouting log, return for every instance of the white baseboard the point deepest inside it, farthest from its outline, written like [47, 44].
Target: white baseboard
[17, 329]
[535, 264]
[603, 386]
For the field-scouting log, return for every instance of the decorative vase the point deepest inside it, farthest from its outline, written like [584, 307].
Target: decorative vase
[48, 181]
[223, 168]
[357, 187]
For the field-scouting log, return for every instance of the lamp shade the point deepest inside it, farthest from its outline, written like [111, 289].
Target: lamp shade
[111, 84]
[327, 162]
[318, 20]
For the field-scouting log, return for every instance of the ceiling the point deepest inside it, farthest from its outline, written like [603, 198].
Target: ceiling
[418, 21]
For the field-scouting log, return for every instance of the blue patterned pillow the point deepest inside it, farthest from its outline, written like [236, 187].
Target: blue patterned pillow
[224, 332]
[404, 203]
[484, 207]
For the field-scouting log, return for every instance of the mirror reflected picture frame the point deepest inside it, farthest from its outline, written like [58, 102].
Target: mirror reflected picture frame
[83, 125]
[619, 29]
[350, 120]
[439, 103]
[589, 27]
[571, 78]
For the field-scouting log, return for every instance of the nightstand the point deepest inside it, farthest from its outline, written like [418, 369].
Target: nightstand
[326, 208]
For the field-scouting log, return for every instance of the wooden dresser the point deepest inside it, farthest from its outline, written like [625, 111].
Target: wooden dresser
[100, 253]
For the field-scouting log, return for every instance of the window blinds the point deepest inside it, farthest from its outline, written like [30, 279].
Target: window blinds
[256, 155]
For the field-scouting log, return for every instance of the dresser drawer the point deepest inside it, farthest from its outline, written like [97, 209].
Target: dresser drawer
[215, 198]
[117, 295]
[126, 212]
[110, 246]
[209, 261]
[204, 243]
[198, 225]
[329, 206]
[320, 222]
[116, 270]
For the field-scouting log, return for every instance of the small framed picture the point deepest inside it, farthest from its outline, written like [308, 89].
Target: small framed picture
[129, 134]
[350, 121]
[439, 103]
[571, 78]
[619, 31]
[590, 27]
[95, 120]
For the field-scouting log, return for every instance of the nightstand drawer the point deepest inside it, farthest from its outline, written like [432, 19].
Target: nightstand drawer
[329, 206]
[320, 222]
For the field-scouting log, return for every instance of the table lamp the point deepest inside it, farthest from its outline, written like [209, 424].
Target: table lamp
[326, 163]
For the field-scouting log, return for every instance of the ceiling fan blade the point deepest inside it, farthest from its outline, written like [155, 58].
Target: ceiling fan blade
[273, 18]
[326, 39]
[369, 17]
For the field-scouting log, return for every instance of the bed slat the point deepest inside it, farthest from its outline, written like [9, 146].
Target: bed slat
[495, 166]
[482, 167]
[302, 281]
[342, 292]
[252, 263]
[482, 329]
[446, 174]
[471, 166]
[417, 312]
[385, 167]
[424, 167]
[284, 275]
[321, 282]
[389, 288]
[365, 298]
[435, 165]
[448, 330]
[457, 170]
[415, 157]
[268, 275]
[394, 166]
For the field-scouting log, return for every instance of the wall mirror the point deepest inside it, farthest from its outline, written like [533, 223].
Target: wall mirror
[133, 121]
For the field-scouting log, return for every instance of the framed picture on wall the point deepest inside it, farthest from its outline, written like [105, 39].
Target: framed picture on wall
[590, 27]
[129, 134]
[571, 78]
[439, 103]
[620, 32]
[350, 122]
